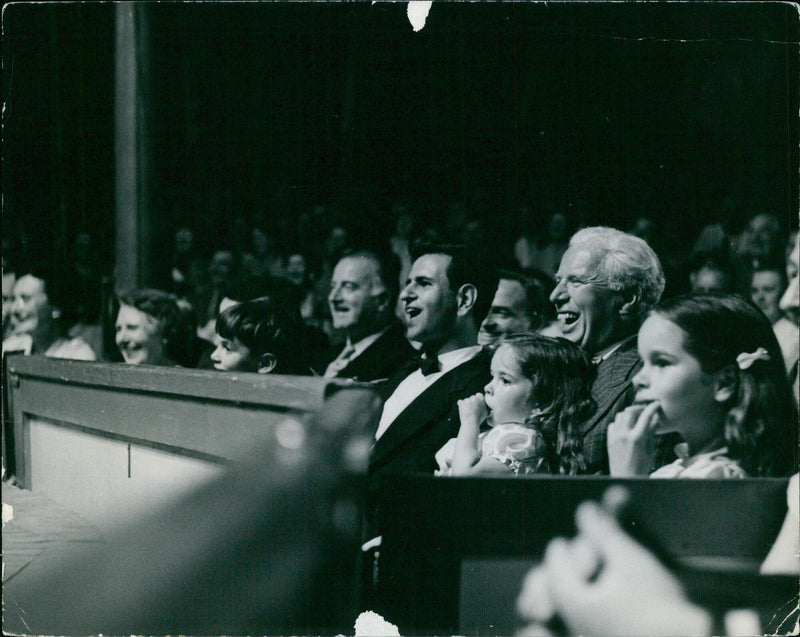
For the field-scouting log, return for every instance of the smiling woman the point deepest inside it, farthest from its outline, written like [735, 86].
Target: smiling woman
[147, 327]
[35, 322]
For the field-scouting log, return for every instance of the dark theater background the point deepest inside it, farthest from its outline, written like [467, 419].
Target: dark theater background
[233, 115]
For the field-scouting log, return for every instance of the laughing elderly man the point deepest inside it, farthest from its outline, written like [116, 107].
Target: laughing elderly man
[607, 282]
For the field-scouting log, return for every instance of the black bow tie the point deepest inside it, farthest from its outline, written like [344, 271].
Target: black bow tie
[429, 365]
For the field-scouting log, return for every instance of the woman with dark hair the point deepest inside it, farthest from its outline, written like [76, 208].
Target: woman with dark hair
[149, 328]
[713, 373]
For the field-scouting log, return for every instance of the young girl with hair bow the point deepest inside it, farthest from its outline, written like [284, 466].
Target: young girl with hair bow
[712, 372]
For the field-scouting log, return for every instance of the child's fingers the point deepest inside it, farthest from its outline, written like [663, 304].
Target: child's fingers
[647, 420]
[625, 420]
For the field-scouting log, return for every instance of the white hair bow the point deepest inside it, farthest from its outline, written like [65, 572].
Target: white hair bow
[746, 359]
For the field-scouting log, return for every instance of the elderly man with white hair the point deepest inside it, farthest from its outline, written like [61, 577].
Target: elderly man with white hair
[606, 283]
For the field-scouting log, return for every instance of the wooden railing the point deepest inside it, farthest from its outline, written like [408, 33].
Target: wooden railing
[108, 440]
[454, 551]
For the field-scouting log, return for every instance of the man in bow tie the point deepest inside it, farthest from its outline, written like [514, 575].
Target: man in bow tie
[446, 292]
[606, 284]
[362, 300]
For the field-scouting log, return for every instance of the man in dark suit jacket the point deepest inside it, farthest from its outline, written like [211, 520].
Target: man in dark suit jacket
[447, 290]
[519, 305]
[607, 282]
[362, 300]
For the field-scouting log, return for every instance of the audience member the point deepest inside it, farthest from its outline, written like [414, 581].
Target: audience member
[644, 228]
[518, 306]
[297, 272]
[185, 268]
[9, 279]
[525, 244]
[148, 328]
[221, 278]
[82, 278]
[539, 394]
[790, 301]
[763, 238]
[362, 301]
[400, 241]
[761, 241]
[259, 336]
[35, 321]
[605, 285]
[336, 244]
[767, 286]
[790, 304]
[446, 289]
[547, 256]
[713, 373]
[262, 259]
[710, 274]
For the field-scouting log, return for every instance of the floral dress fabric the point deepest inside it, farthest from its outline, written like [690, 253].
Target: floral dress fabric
[713, 464]
[521, 448]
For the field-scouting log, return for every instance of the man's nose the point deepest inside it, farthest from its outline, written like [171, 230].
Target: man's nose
[558, 292]
[791, 298]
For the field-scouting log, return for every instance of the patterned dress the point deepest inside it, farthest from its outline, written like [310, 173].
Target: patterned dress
[521, 448]
[712, 464]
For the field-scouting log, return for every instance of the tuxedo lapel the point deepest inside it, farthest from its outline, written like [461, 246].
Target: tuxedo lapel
[430, 406]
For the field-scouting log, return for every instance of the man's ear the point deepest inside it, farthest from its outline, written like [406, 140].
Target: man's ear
[382, 300]
[629, 304]
[465, 298]
[726, 382]
[268, 362]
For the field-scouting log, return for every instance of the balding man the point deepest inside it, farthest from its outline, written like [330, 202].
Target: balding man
[607, 282]
[362, 300]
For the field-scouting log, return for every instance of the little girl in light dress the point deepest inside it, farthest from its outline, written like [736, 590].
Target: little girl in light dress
[538, 395]
[712, 372]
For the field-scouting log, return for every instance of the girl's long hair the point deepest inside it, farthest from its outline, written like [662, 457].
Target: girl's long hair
[562, 376]
[760, 426]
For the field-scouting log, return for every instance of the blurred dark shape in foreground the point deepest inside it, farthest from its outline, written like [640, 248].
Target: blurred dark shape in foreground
[271, 547]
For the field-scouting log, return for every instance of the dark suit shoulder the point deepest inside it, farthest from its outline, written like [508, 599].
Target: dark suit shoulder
[430, 420]
[381, 359]
[613, 391]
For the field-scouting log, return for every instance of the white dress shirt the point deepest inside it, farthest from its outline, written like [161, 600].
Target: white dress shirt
[415, 383]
